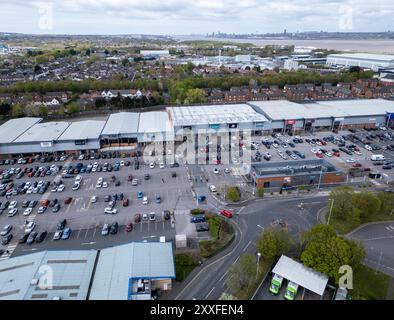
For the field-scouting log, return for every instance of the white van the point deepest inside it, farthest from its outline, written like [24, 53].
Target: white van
[377, 157]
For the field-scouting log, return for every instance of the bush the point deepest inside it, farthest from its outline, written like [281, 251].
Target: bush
[184, 264]
[260, 192]
[233, 194]
[196, 212]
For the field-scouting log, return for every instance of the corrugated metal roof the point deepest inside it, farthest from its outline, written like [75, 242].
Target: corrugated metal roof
[118, 264]
[48, 131]
[214, 114]
[90, 129]
[156, 121]
[121, 123]
[301, 275]
[286, 110]
[67, 273]
[13, 128]
[364, 56]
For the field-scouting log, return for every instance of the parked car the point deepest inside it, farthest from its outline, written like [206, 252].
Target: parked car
[6, 230]
[129, 226]
[58, 235]
[61, 225]
[66, 233]
[197, 219]
[105, 230]
[137, 218]
[41, 237]
[68, 200]
[7, 239]
[114, 228]
[31, 238]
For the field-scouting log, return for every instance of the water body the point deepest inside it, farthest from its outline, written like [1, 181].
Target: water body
[368, 46]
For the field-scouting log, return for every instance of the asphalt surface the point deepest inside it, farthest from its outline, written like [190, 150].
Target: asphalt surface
[378, 241]
[208, 282]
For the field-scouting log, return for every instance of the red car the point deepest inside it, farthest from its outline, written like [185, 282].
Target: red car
[356, 165]
[319, 155]
[129, 226]
[125, 202]
[367, 169]
[45, 203]
[130, 177]
[323, 142]
[68, 200]
[337, 154]
[226, 213]
[137, 218]
[31, 174]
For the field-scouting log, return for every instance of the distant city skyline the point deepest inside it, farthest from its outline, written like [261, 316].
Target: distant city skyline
[185, 17]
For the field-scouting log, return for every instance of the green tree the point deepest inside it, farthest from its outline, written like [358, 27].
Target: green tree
[367, 204]
[195, 96]
[5, 109]
[233, 194]
[17, 110]
[273, 243]
[43, 111]
[242, 274]
[342, 201]
[73, 108]
[260, 192]
[326, 252]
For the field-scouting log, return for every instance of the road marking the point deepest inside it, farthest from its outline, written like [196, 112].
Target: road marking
[88, 243]
[86, 234]
[209, 293]
[247, 246]
[79, 232]
[260, 227]
[236, 260]
[221, 278]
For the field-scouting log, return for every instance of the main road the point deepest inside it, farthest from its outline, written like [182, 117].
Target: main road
[208, 281]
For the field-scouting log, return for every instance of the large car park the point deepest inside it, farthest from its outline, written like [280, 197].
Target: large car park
[84, 206]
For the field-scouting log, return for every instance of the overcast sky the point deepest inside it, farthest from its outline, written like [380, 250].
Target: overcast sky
[194, 16]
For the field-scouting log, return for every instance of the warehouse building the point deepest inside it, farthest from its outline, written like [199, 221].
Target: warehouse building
[134, 271]
[47, 275]
[215, 118]
[81, 136]
[129, 130]
[362, 60]
[286, 116]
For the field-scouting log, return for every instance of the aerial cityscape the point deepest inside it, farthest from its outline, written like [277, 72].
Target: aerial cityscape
[163, 161]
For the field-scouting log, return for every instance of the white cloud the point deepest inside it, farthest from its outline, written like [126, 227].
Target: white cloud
[200, 16]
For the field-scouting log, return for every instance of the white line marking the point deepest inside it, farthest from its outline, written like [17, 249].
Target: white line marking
[209, 292]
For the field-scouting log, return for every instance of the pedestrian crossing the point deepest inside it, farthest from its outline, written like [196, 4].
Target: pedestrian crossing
[390, 228]
[8, 251]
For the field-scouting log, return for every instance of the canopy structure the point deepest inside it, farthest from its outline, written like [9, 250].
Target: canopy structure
[303, 276]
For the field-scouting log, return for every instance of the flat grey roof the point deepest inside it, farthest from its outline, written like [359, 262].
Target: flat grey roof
[301, 275]
[363, 56]
[90, 129]
[214, 114]
[121, 123]
[286, 110]
[117, 265]
[67, 272]
[13, 128]
[156, 121]
[48, 131]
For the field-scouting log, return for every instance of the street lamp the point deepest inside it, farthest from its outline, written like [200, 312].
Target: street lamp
[329, 215]
[258, 262]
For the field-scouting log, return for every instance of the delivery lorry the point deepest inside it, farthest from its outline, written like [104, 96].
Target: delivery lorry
[291, 291]
[276, 284]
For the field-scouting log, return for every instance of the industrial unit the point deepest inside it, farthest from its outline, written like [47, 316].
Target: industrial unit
[130, 271]
[128, 130]
[362, 60]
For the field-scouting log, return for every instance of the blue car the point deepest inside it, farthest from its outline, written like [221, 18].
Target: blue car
[197, 219]
[139, 194]
[66, 233]
[158, 199]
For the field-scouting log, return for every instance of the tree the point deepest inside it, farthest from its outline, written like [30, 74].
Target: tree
[17, 110]
[367, 204]
[342, 201]
[273, 243]
[260, 192]
[43, 111]
[326, 252]
[233, 194]
[242, 274]
[195, 96]
[73, 107]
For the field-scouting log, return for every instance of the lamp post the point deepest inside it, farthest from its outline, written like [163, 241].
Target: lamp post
[329, 215]
[258, 262]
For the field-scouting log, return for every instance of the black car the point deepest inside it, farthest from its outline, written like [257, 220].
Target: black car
[107, 198]
[174, 165]
[114, 228]
[25, 204]
[56, 208]
[120, 196]
[200, 227]
[147, 176]
[61, 224]
[6, 239]
[23, 239]
[53, 203]
[167, 214]
[41, 237]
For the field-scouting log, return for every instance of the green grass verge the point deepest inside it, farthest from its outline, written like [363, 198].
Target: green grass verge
[222, 235]
[184, 264]
[369, 284]
[344, 227]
